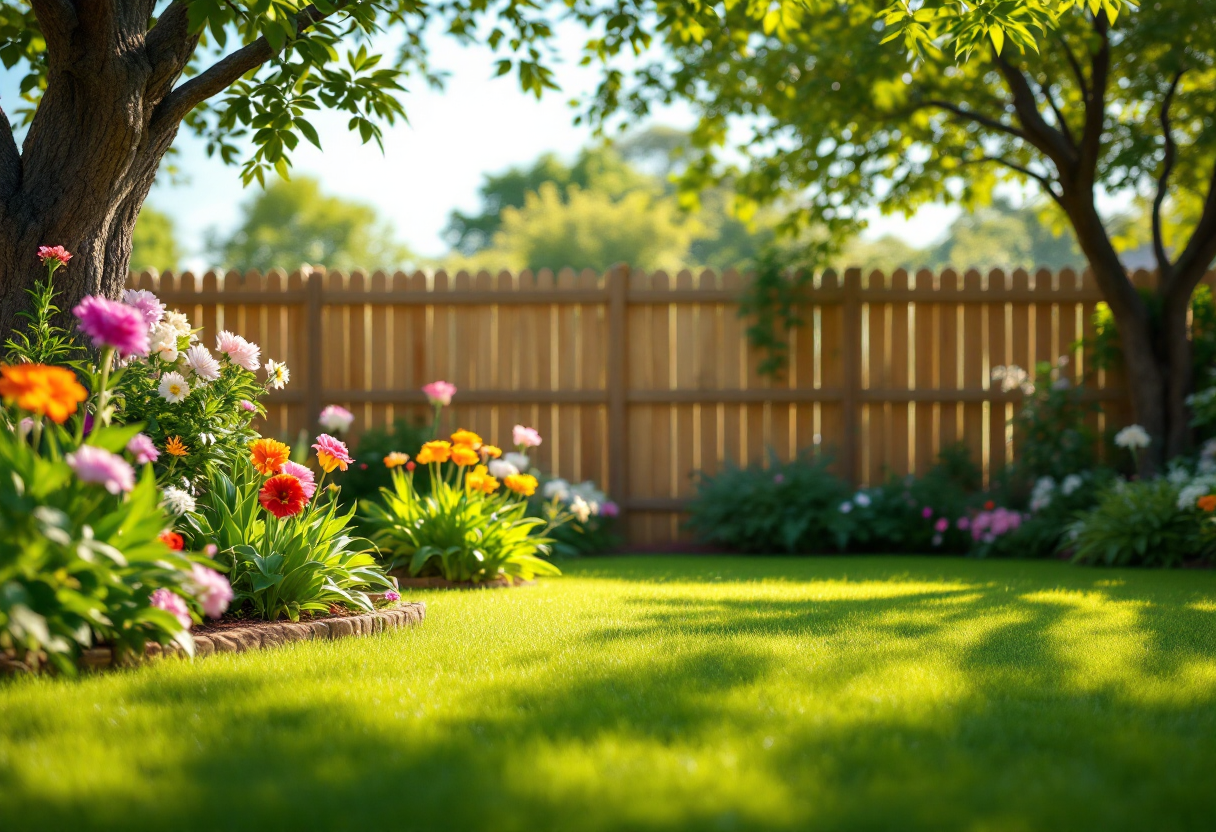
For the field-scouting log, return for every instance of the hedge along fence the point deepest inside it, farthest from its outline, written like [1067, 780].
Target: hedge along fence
[636, 380]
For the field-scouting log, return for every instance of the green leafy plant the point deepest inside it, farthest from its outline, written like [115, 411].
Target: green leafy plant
[790, 507]
[592, 525]
[41, 340]
[362, 483]
[457, 531]
[1139, 524]
[1051, 436]
[284, 567]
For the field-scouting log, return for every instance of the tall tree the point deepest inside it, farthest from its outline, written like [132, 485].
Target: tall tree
[292, 223]
[840, 123]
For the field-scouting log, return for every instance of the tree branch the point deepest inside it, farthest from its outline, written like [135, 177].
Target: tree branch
[1043, 181]
[1200, 250]
[225, 72]
[1095, 110]
[1167, 167]
[978, 118]
[1045, 88]
[1042, 135]
[1076, 68]
[57, 19]
[10, 161]
[169, 45]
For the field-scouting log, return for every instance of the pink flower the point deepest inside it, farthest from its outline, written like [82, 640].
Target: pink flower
[304, 474]
[335, 418]
[93, 464]
[331, 453]
[941, 525]
[113, 324]
[392, 595]
[59, 253]
[610, 509]
[963, 524]
[926, 512]
[211, 589]
[211, 550]
[525, 437]
[143, 449]
[172, 603]
[439, 393]
[248, 405]
[239, 351]
[147, 303]
[778, 478]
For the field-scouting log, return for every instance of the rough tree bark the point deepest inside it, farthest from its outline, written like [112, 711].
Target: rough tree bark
[109, 114]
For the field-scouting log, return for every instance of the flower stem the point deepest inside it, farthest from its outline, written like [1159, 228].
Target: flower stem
[107, 358]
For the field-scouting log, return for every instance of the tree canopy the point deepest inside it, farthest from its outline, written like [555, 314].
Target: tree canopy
[154, 242]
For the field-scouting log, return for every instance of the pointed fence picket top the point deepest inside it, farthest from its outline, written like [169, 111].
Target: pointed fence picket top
[637, 379]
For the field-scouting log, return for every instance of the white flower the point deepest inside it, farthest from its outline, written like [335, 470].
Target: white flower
[202, 363]
[206, 439]
[862, 499]
[581, 509]
[588, 492]
[1133, 437]
[177, 501]
[1071, 483]
[179, 322]
[277, 374]
[846, 507]
[162, 341]
[520, 461]
[502, 469]
[1178, 475]
[1189, 495]
[1011, 378]
[558, 488]
[1061, 384]
[1040, 495]
[173, 388]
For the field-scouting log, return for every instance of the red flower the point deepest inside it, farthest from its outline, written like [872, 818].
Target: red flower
[410, 466]
[989, 506]
[54, 253]
[172, 539]
[283, 496]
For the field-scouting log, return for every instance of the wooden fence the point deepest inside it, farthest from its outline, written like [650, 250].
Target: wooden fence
[638, 380]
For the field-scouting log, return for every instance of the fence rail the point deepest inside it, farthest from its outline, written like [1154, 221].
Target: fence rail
[637, 380]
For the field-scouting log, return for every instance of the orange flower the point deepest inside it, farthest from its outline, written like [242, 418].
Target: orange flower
[1207, 502]
[524, 484]
[479, 479]
[490, 451]
[53, 392]
[466, 437]
[268, 455]
[396, 459]
[176, 447]
[464, 455]
[438, 451]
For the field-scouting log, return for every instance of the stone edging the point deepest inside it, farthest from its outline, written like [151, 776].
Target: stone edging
[265, 635]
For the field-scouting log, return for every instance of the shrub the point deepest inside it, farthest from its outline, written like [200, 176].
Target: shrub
[790, 507]
[1139, 524]
[1050, 433]
[1053, 507]
[591, 527]
[471, 526]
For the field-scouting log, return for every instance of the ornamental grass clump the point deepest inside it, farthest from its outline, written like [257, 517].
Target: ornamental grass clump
[473, 524]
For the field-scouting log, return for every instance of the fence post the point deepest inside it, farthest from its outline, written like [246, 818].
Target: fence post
[312, 393]
[851, 355]
[618, 385]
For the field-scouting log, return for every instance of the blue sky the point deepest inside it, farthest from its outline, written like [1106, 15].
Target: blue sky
[477, 124]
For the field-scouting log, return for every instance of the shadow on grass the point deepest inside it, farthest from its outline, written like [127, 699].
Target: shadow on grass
[820, 700]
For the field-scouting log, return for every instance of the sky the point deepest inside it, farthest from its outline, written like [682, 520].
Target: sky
[477, 124]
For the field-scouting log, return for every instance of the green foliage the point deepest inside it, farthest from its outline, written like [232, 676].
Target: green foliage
[456, 532]
[1051, 437]
[1139, 524]
[1055, 505]
[154, 242]
[359, 483]
[41, 340]
[298, 565]
[292, 223]
[791, 507]
[78, 564]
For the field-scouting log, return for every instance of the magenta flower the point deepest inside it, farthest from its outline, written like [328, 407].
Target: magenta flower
[211, 550]
[392, 595]
[963, 524]
[439, 393]
[248, 405]
[100, 466]
[610, 509]
[113, 324]
[926, 512]
[59, 253]
[143, 449]
[335, 418]
[304, 474]
[778, 478]
[147, 303]
[941, 525]
[525, 437]
[172, 603]
[211, 589]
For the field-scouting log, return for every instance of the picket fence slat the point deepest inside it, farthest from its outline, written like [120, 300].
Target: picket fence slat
[638, 380]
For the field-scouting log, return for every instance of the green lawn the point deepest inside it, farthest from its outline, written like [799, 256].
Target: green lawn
[668, 693]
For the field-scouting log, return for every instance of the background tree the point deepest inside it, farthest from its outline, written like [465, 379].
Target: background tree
[840, 123]
[292, 223]
[154, 242]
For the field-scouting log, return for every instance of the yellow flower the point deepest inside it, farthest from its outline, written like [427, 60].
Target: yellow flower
[466, 437]
[176, 447]
[490, 451]
[268, 455]
[438, 451]
[396, 459]
[524, 484]
[479, 479]
[464, 455]
[53, 392]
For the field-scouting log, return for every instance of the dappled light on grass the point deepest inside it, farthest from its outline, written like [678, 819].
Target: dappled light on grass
[668, 693]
